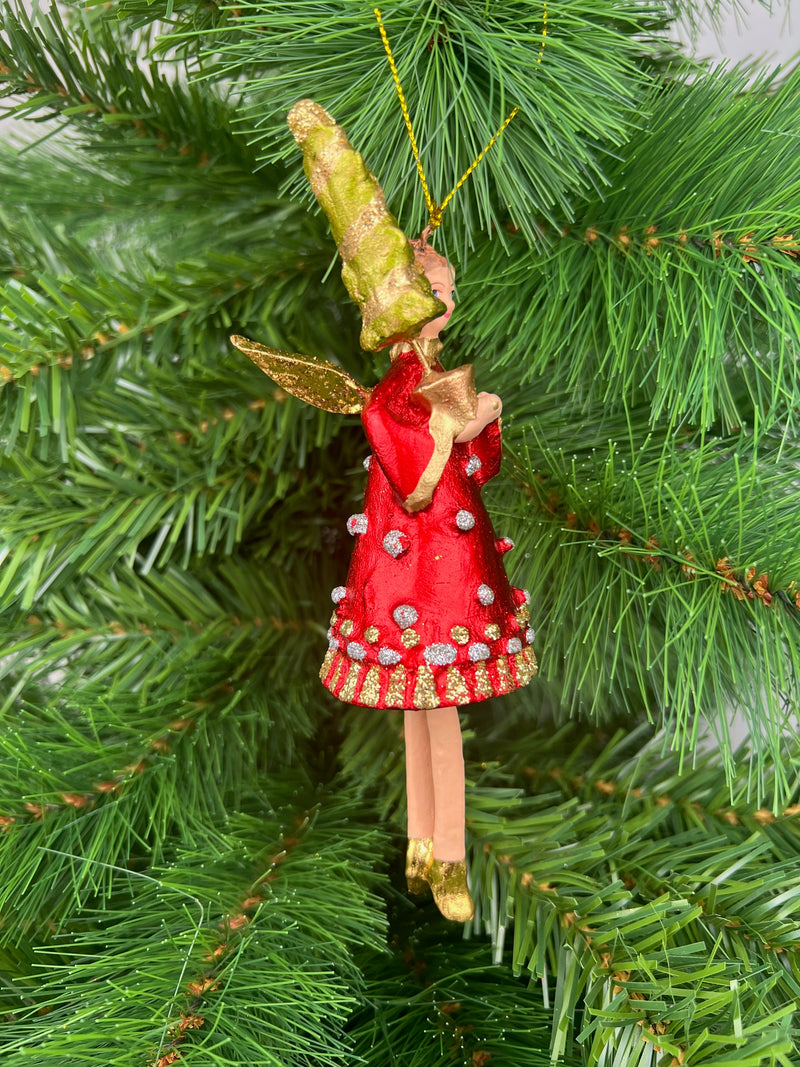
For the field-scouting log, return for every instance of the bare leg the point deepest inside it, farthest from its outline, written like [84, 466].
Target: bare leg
[419, 779]
[447, 762]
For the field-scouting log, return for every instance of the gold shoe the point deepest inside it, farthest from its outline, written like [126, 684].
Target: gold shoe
[448, 882]
[419, 857]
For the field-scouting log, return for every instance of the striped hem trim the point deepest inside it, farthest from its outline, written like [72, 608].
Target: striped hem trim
[376, 686]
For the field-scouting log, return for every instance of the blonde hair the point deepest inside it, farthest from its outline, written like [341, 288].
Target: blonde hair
[427, 256]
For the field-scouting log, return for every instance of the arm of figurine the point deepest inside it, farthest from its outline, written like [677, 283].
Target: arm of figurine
[397, 430]
[484, 439]
[490, 407]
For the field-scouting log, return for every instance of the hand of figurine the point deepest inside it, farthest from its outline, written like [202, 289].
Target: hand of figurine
[490, 408]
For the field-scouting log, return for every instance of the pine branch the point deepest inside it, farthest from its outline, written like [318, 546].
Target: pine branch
[679, 286]
[644, 557]
[108, 514]
[650, 908]
[189, 660]
[245, 959]
[184, 23]
[137, 276]
[650, 558]
[86, 73]
[648, 898]
[440, 985]
[462, 70]
[176, 892]
[145, 780]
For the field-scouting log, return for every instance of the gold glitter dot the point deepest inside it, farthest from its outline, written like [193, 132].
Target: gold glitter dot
[346, 628]
[460, 635]
[395, 694]
[457, 691]
[371, 634]
[371, 689]
[523, 614]
[425, 695]
[334, 617]
[409, 637]
[492, 631]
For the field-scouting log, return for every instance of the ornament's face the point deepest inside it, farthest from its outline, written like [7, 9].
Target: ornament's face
[442, 279]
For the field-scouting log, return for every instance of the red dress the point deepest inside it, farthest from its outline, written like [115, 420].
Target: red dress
[427, 618]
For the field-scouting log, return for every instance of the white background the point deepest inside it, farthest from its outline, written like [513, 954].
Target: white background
[753, 32]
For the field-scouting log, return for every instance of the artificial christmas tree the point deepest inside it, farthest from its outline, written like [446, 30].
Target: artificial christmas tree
[201, 850]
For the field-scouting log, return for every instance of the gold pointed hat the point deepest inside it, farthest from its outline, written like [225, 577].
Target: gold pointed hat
[378, 265]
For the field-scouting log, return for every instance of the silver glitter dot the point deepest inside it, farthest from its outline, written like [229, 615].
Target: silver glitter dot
[396, 543]
[478, 651]
[504, 544]
[333, 644]
[439, 655]
[530, 634]
[465, 520]
[355, 650]
[357, 524]
[367, 462]
[526, 595]
[473, 465]
[514, 645]
[388, 657]
[338, 594]
[405, 616]
[330, 633]
[485, 594]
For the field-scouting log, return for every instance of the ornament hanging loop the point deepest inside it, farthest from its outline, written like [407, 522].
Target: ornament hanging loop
[435, 211]
[432, 207]
[472, 167]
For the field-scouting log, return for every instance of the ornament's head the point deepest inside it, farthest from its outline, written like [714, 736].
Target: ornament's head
[441, 275]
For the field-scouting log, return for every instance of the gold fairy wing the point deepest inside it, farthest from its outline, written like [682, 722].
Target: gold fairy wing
[310, 379]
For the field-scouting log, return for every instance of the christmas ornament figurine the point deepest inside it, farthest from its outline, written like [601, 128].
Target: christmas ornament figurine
[426, 620]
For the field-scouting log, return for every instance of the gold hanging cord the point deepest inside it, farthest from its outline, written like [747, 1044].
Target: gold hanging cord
[435, 210]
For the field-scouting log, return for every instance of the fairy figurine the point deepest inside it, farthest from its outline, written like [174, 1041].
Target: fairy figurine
[426, 620]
